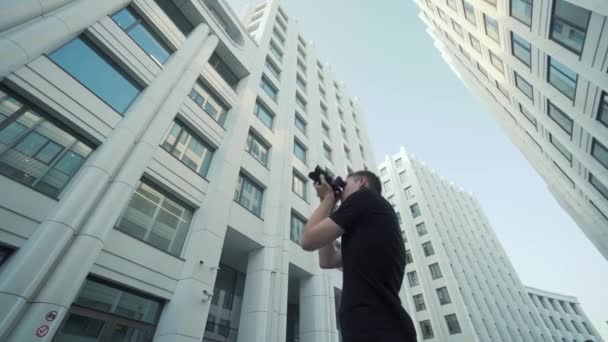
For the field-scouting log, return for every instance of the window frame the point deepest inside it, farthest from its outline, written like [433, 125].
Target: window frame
[518, 78]
[518, 40]
[552, 25]
[550, 66]
[185, 128]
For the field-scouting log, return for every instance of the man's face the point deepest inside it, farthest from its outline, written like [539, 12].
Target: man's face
[353, 184]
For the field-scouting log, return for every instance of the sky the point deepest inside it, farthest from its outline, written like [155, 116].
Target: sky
[410, 97]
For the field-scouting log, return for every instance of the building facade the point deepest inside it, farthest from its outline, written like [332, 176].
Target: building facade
[540, 68]
[564, 315]
[153, 162]
[460, 284]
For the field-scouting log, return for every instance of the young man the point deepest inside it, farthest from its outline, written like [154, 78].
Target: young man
[372, 257]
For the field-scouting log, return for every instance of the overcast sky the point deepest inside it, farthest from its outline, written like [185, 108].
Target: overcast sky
[410, 97]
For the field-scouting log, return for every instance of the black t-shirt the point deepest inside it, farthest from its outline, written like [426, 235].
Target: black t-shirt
[373, 261]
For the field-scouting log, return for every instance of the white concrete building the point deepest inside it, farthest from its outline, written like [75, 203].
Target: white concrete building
[564, 315]
[540, 68]
[152, 172]
[462, 286]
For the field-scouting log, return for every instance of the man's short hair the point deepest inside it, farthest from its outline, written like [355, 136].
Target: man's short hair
[373, 182]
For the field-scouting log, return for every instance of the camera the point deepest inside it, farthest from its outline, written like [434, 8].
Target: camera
[336, 184]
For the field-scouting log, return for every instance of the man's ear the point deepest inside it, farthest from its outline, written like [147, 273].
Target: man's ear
[363, 182]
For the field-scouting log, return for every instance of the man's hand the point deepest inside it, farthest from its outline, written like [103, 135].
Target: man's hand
[324, 190]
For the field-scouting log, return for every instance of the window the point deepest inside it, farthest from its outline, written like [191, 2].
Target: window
[502, 90]
[327, 152]
[569, 25]
[599, 152]
[482, 70]
[524, 86]
[300, 124]
[491, 28]
[408, 193]
[281, 24]
[562, 78]
[443, 295]
[36, 150]
[399, 220]
[276, 51]
[587, 328]
[457, 28]
[415, 210]
[283, 15]
[428, 249]
[403, 177]
[274, 69]
[97, 72]
[298, 184]
[182, 143]
[427, 329]
[561, 148]
[269, 88]
[302, 65]
[419, 302]
[386, 186]
[224, 70]
[296, 227]
[302, 52]
[347, 153]
[408, 257]
[322, 92]
[412, 278]
[496, 62]
[421, 228]
[475, 43]
[527, 114]
[325, 129]
[205, 98]
[249, 194]
[452, 322]
[176, 16]
[603, 189]
[104, 309]
[442, 15]
[264, 114]
[435, 271]
[225, 308]
[560, 118]
[521, 49]
[257, 148]
[575, 308]
[299, 150]
[323, 109]
[279, 35]
[469, 12]
[5, 252]
[156, 218]
[301, 83]
[301, 102]
[522, 11]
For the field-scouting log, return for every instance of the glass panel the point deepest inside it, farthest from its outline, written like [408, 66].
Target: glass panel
[569, 25]
[521, 49]
[86, 63]
[522, 11]
[176, 15]
[560, 118]
[142, 34]
[469, 12]
[491, 28]
[603, 189]
[524, 86]
[599, 152]
[124, 333]
[224, 70]
[264, 115]
[78, 328]
[563, 78]
[299, 151]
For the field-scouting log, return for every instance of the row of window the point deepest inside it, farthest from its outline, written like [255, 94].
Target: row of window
[435, 270]
[451, 322]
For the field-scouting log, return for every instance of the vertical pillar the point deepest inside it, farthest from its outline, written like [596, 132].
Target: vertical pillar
[170, 87]
[315, 323]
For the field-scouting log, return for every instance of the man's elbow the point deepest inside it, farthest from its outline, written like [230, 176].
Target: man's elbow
[307, 245]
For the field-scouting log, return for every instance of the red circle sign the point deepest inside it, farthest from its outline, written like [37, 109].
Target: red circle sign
[51, 315]
[42, 330]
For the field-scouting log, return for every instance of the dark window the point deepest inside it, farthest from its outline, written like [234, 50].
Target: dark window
[522, 11]
[443, 295]
[5, 252]
[569, 25]
[435, 271]
[412, 278]
[143, 34]
[176, 16]
[35, 149]
[419, 302]
[224, 70]
[521, 49]
[427, 247]
[602, 115]
[249, 195]
[561, 148]
[421, 228]
[408, 257]
[269, 88]
[427, 330]
[209, 102]
[563, 120]
[524, 86]
[296, 227]
[599, 152]
[562, 78]
[452, 322]
[156, 218]
[257, 148]
[300, 124]
[190, 149]
[95, 70]
[415, 210]
[598, 185]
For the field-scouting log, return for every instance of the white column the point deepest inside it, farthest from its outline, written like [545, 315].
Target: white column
[315, 321]
[160, 102]
[44, 34]
[18, 12]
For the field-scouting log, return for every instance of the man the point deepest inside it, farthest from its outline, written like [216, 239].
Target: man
[372, 256]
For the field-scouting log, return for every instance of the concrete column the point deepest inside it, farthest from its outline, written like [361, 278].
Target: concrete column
[315, 323]
[23, 45]
[18, 12]
[142, 122]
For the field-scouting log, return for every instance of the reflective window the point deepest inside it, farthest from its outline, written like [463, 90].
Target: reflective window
[560, 118]
[90, 66]
[156, 218]
[491, 28]
[35, 150]
[190, 149]
[176, 16]
[264, 114]
[443, 295]
[522, 11]
[269, 88]
[599, 152]
[296, 227]
[453, 326]
[427, 329]
[562, 78]
[300, 124]
[521, 49]
[134, 25]
[205, 98]
[524, 86]
[561, 148]
[249, 195]
[569, 25]
[224, 70]
[419, 303]
[257, 148]
[225, 310]
[469, 12]
[299, 150]
[298, 184]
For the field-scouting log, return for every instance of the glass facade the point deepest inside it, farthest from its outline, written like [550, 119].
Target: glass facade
[97, 72]
[35, 150]
[226, 304]
[156, 218]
